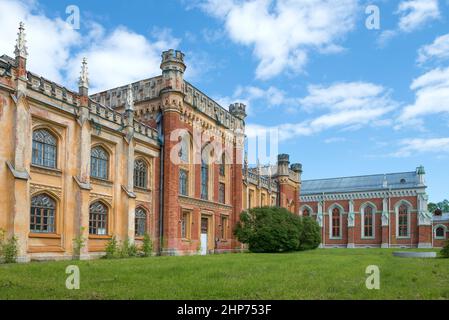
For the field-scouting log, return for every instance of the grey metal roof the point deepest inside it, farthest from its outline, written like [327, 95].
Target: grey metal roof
[443, 217]
[404, 180]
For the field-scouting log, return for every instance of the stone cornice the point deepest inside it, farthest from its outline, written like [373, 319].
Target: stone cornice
[205, 203]
[361, 195]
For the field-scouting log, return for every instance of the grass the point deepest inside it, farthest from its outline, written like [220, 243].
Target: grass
[319, 274]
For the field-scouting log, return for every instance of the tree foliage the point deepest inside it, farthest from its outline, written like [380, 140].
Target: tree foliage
[274, 229]
[443, 206]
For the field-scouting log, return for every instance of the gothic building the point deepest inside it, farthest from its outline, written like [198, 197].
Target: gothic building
[156, 157]
[386, 210]
[159, 157]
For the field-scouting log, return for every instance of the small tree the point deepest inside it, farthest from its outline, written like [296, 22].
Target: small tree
[269, 229]
[310, 234]
[445, 250]
[147, 246]
[112, 248]
[128, 249]
[10, 250]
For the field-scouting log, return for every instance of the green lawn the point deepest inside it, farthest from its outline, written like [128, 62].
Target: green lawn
[320, 274]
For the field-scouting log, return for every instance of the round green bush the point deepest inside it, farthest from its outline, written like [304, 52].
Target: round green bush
[310, 234]
[269, 229]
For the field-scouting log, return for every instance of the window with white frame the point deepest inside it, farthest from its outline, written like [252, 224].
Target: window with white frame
[403, 220]
[440, 232]
[368, 222]
[335, 223]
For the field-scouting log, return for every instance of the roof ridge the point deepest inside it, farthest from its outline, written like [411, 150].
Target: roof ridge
[360, 176]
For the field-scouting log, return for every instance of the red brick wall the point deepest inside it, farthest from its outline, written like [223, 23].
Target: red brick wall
[382, 234]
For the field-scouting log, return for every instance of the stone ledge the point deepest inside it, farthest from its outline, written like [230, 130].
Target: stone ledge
[403, 254]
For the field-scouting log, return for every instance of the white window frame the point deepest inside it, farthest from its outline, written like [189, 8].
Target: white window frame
[306, 207]
[435, 231]
[409, 214]
[362, 219]
[342, 211]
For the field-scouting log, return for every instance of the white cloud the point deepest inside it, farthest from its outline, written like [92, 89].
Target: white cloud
[125, 56]
[439, 49]
[410, 147]
[432, 96]
[413, 15]
[346, 105]
[416, 13]
[56, 49]
[334, 140]
[49, 41]
[282, 32]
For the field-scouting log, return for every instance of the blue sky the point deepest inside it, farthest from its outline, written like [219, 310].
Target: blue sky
[345, 100]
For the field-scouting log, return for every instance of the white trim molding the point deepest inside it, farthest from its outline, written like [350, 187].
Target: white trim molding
[381, 194]
[305, 206]
[362, 220]
[342, 211]
[409, 211]
[435, 231]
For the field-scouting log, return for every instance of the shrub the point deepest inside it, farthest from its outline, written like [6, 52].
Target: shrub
[147, 246]
[310, 234]
[128, 249]
[2, 242]
[78, 243]
[445, 250]
[269, 229]
[112, 248]
[10, 250]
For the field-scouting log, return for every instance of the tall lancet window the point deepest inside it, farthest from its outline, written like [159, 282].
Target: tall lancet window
[336, 223]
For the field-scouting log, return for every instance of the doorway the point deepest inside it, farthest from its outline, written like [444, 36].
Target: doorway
[204, 235]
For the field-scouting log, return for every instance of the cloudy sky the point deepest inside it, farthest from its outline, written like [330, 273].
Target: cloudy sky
[344, 99]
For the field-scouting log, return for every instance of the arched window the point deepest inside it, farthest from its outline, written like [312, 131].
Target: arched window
[440, 232]
[368, 222]
[140, 174]
[98, 219]
[99, 163]
[223, 165]
[184, 153]
[306, 212]
[141, 222]
[204, 180]
[336, 223]
[43, 214]
[44, 149]
[183, 182]
[403, 223]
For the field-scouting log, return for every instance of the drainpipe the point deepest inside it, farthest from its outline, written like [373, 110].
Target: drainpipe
[389, 218]
[324, 221]
[161, 181]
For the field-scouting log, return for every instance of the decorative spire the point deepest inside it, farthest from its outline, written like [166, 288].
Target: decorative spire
[84, 75]
[21, 49]
[129, 106]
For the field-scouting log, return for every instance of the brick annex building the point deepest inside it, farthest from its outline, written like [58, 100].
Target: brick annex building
[160, 157]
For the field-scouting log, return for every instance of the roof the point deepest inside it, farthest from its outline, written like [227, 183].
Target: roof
[404, 180]
[443, 217]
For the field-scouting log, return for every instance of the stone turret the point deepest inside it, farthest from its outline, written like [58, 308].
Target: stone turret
[297, 169]
[238, 110]
[283, 163]
[421, 172]
[173, 68]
